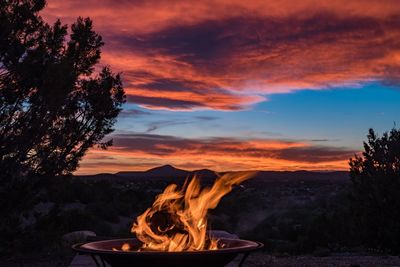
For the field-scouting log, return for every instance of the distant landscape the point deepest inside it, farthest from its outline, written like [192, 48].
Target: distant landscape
[292, 213]
[277, 208]
[269, 201]
[170, 172]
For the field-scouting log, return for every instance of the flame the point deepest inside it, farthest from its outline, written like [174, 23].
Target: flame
[177, 220]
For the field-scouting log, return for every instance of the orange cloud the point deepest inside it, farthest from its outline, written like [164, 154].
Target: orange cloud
[228, 55]
[142, 151]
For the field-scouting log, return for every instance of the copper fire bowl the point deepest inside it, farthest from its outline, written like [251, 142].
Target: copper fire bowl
[208, 258]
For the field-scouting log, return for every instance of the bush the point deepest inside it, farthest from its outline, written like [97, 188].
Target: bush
[103, 211]
[375, 177]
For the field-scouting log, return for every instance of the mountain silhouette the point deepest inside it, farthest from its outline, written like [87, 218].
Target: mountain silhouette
[170, 173]
[167, 170]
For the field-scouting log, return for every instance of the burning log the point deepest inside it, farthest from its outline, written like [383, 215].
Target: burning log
[177, 220]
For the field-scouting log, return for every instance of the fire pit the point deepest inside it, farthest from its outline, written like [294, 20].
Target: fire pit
[103, 252]
[173, 231]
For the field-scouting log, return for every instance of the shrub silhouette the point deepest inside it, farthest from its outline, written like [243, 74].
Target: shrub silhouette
[53, 105]
[375, 177]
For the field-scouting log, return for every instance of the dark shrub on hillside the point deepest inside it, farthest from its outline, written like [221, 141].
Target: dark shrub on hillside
[325, 223]
[58, 223]
[103, 211]
[333, 226]
[9, 231]
[375, 194]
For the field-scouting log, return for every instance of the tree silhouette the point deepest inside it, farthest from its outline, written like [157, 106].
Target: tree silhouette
[53, 104]
[376, 190]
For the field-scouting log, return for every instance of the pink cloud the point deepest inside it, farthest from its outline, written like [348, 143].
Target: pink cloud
[229, 55]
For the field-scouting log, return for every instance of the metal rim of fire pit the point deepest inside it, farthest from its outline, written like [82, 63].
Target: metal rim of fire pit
[89, 248]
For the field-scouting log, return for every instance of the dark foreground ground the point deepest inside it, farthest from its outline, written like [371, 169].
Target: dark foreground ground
[261, 259]
[301, 215]
[257, 259]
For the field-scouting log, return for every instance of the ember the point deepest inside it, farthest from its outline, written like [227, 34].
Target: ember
[177, 220]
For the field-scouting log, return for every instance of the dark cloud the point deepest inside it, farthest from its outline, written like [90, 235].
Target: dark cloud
[206, 118]
[162, 145]
[162, 102]
[156, 125]
[316, 154]
[215, 41]
[191, 98]
[201, 41]
[132, 113]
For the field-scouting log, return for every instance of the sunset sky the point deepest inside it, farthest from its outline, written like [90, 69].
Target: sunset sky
[234, 85]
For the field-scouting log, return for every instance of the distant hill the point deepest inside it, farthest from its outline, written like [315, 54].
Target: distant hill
[168, 172]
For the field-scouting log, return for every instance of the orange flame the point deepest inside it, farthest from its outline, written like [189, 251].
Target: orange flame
[177, 220]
